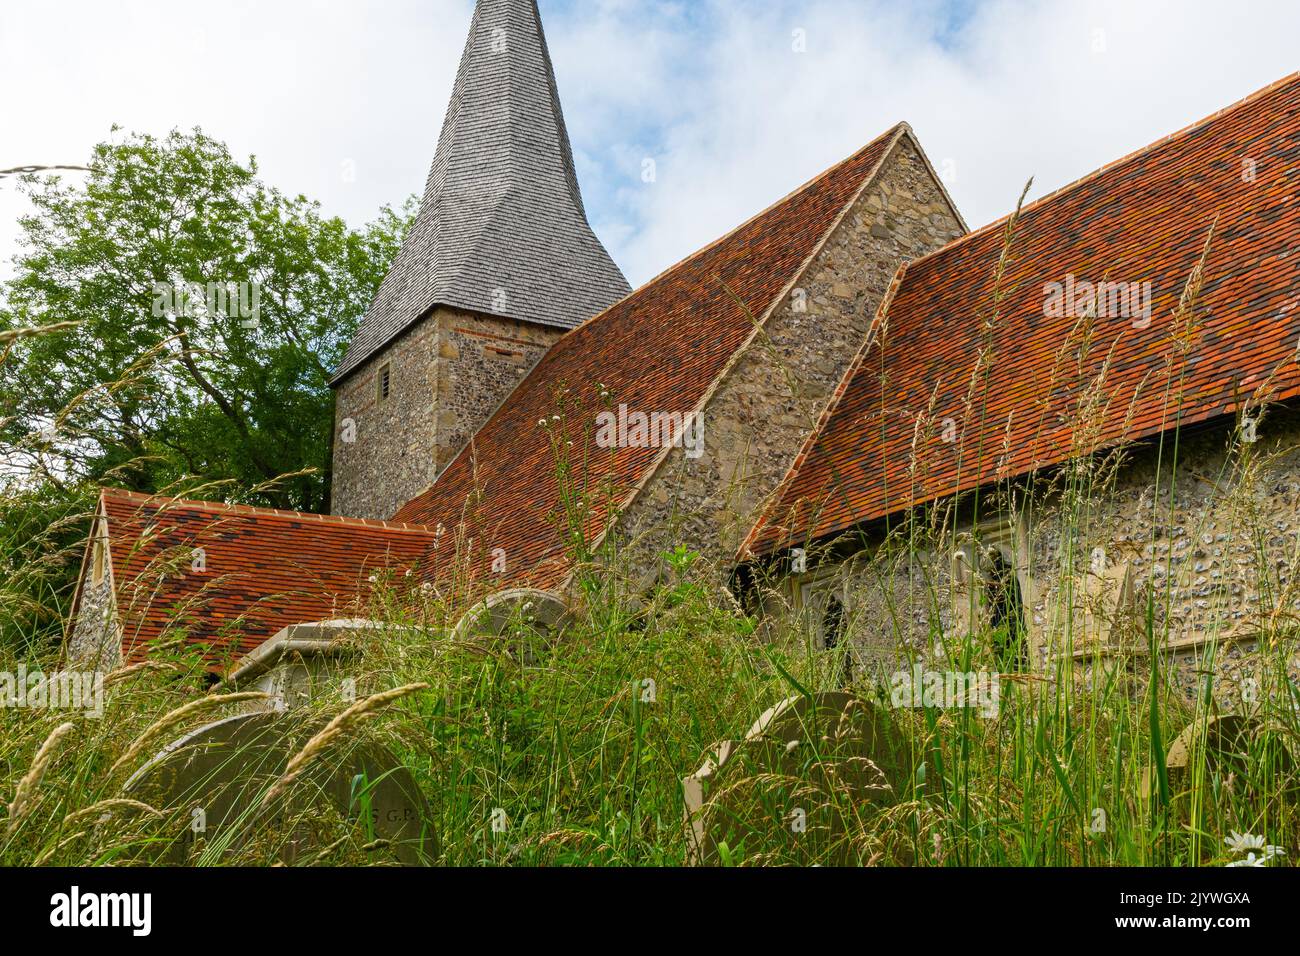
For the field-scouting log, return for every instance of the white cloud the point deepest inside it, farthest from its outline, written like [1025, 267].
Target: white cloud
[713, 91]
[306, 86]
[1019, 89]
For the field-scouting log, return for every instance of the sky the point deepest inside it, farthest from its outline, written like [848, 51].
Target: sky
[736, 102]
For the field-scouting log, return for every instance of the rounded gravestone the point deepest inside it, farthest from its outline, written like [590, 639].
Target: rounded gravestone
[802, 785]
[527, 620]
[1212, 753]
[211, 783]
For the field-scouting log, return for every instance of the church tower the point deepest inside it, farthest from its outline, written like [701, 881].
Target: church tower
[499, 264]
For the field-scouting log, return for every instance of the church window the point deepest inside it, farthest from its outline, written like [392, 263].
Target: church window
[833, 623]
[1006, 612]
[383, 381]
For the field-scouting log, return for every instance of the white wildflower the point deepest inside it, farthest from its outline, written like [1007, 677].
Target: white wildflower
[1248, 843]
[1241, 842]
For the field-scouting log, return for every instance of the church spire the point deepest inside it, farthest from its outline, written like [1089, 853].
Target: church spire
[502, 229]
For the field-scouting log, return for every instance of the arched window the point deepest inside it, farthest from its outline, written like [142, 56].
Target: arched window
[1006, 612]
[834, 622]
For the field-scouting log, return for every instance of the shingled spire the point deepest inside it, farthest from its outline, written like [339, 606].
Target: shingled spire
[502, 229]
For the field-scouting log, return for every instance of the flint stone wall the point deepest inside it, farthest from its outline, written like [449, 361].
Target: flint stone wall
[1215, 545]
[769, 401]
[95, 641]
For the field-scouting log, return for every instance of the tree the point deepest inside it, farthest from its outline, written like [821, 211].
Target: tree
[171, 325]
[209, 311]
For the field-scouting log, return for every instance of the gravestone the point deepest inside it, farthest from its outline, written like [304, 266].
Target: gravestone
[1243, 758]
[807, 776]
[211, 783]
[526, 622]
[305, 663]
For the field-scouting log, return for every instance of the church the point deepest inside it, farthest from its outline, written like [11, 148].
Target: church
[863, 403]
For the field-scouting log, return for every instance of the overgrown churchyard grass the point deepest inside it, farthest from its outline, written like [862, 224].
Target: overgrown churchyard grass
[578, 758]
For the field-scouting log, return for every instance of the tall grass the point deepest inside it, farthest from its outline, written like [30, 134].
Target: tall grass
[577, 766]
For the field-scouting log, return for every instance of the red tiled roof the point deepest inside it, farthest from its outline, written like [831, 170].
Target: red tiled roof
[658, 350]
[264, 569]
[1143, 218]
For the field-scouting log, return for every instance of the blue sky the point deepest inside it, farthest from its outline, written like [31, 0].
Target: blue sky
[733, 114]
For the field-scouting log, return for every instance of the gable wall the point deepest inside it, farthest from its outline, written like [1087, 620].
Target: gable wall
[768, 402]
[766, 405]
[95, 639]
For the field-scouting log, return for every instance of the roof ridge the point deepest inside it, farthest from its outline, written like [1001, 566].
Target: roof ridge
[891, 131]
[1001, 221]
[861, 467]
[894, 136]
[894, 132]
[218, 506]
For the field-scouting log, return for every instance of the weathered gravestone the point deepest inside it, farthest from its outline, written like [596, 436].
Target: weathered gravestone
[807, 776]
[1246, 753]
[212, 782]
[526, 622]
[304, 663]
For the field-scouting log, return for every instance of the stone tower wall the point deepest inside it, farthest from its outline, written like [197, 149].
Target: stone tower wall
[447, 374]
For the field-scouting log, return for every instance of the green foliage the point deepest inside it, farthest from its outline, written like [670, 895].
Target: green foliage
[150, 391]
[42, 539]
